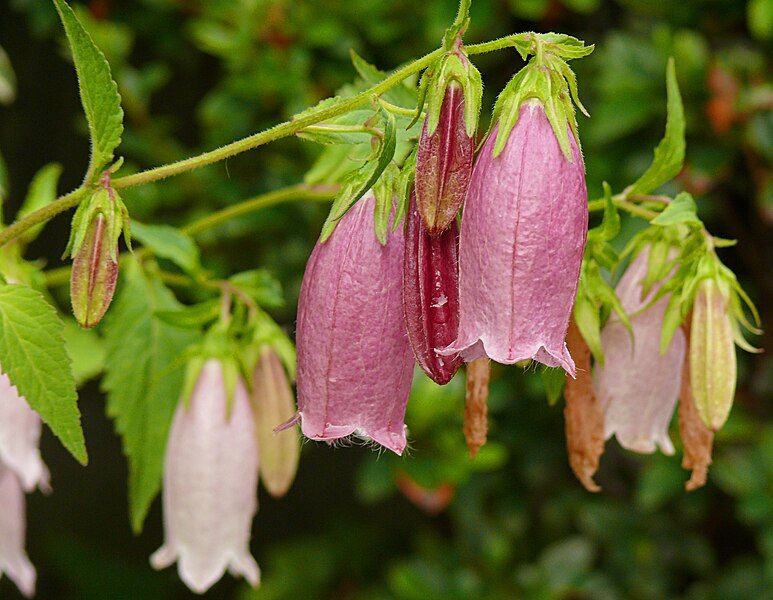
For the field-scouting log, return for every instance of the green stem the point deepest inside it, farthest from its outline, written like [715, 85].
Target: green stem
[295, 192]
[310, 117]
[623, 202]
[61, 275]
[41, 215]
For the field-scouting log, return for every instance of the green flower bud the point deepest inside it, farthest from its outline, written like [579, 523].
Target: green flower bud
[712, 353]
[93, 246]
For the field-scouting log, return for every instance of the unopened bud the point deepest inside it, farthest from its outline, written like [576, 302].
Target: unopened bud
[444, 163]
[712, 354]
[94, 249]
[274, 404]
[431, 295]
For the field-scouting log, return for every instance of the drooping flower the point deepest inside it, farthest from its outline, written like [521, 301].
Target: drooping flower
[431, 295]
[712, 354]
[354, 361]
[20, 437]
[13, 524]
[444, 163]
[522, 240]
[210, 484]
[637, 385]
[274, 404]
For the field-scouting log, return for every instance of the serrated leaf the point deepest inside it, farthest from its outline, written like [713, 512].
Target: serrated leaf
[143, 379]
[99, 93]
[401, 94]
[33, 355]
[191, 317]
[669, 155]
[170, 243]
[41, 192]
[86, 349]
[681, 209]
[261, 286]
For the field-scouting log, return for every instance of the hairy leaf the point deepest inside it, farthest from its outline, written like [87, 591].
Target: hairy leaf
[33, 355]
[144, 375]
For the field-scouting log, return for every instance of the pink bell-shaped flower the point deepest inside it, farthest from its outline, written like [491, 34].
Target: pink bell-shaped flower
[13, 524]
[355, 363]
[522, 239]
[19, 438]
[210, 484]
[638, 386]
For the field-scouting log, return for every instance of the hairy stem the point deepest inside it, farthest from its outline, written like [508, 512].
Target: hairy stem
[291, 127]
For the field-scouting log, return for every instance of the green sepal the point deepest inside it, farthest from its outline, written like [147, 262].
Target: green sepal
[356, 183]
[192, 372]
[403, 187]
[453, 68]
[681, 209]
[383, 190]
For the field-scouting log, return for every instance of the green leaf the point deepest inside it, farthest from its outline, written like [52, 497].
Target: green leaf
[99, 93]
[3, 184]
[682, 209]
[553, 379]
[192, 317]
[42, 191]
[261, 286]
[33, 355]
[143, 379]
[358, 182]
[168, 242]
[669, 155]
[86, 350]
[401, 94]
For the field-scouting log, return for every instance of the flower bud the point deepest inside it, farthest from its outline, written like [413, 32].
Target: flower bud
[431, 295]
[13, 525]
[522, 239]
[697, 439]
[210, 484]
[637, 385]
[93, 246]
[444, 163]
[355, 364]
[19, 438]
[274, 404]
[712, 355]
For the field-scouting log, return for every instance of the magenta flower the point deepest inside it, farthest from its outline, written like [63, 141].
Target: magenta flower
[523, 234]
[210, 485]
[444, 163]
[638, 386]
[431, 294]
[19, 438]
[13, 524]
[354, 361]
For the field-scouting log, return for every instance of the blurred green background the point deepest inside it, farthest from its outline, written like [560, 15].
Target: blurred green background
[514, 523]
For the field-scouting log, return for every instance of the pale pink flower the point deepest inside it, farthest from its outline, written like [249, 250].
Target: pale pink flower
[20, 437]
[638, 386]
[210, 485]
[13, 524]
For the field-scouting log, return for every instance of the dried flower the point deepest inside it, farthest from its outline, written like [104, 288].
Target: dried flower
[355, 364]
[476, 405]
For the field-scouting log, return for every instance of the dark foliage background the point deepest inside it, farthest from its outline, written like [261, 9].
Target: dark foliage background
[513, 523]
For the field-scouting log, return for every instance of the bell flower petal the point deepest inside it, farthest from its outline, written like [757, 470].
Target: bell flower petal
[210, 485]
[637, 385]
[13, 524]
[355, 364]
[522, 240]
[20, 437]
